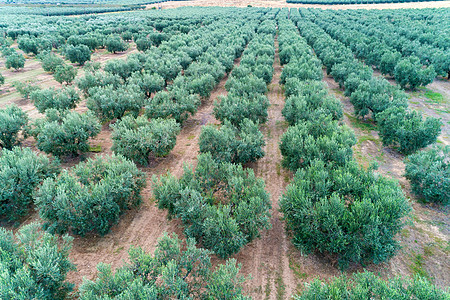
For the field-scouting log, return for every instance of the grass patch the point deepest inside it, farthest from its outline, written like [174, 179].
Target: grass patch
[365, 138]
[278, 169]
[118, 250]
[434, 97]
[295, 267]
[267, 289]
[95, 149]
[191, 137]
[281, 287]
[361, 124]
[282, 124]
[405, 233]
[417, 265]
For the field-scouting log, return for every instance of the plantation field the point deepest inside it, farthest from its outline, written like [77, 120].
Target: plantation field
[270, 105]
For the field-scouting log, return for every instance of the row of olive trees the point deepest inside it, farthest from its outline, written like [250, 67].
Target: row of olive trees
[371, 96]
[218, 177]
[332, 205]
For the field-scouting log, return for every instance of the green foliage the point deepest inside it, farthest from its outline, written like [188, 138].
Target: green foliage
[409, 72]
[176, 104]
[109, 103]
[15, 61]
[21, 170]
[62, 99]
[308, 100]
[115, 44]
[236, 108]
[230, 144]
[175, 271]
[407, 130]
[138, 138]
[97, 79]
[28, 45]
[388, 62]
[65, 73]
[367, 285]
[34, 264]
[123, 68]
[247, 86]
[303, 68]
[78, 54]
[50, 62]
[13, 120]
[147, 82]
[2, 80]
[375, 96]
[429, 174]
[321, 139]
[25, 88]
[65, 134]
[346, 211]
[100, 189]
[220, 204]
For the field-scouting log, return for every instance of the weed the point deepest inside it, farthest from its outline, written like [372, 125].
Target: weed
[434, 97]
[281, 287]
[95, 149]
[364, 125]
[417, 265]
[191, 137]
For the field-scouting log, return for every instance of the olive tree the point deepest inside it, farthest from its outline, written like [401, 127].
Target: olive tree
[221, 205]
[35, 264]
[101, 189]
[429, 173]
[230, 144]
[176, 270]
[65, 133]
[21, 171]
[62, 99]
[78, 54]
[13, 121]
[138, 138]
[65, 74]
[347, 211]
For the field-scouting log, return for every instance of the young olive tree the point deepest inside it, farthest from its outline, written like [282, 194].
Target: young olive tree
[35, 264]
[222, 205]
[100, 189]
[65, 133]
[230, 144]
[429, 173]
[176, 270]
[138, 138]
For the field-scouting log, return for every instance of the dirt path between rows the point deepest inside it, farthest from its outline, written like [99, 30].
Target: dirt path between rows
[266, 259]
